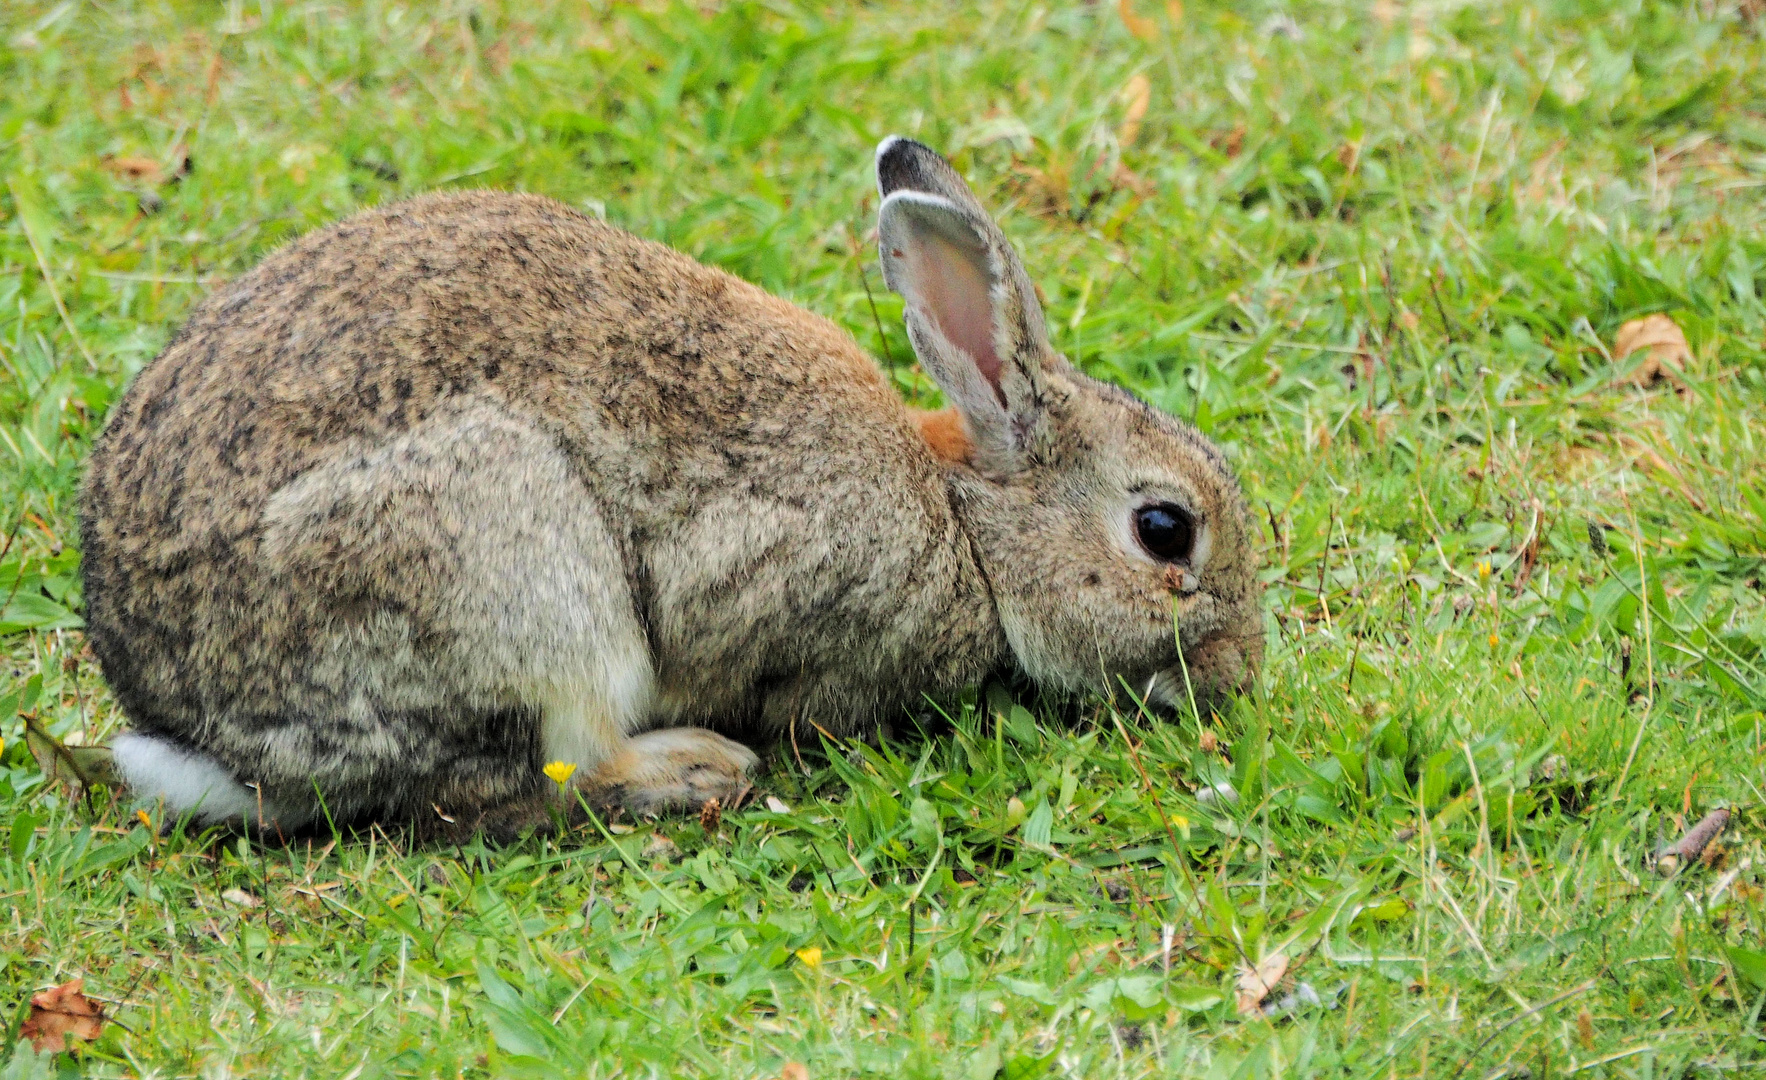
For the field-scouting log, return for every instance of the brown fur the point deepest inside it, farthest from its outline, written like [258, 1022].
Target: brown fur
[472, 482]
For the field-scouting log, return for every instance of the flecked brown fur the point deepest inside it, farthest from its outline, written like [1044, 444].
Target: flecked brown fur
[464, 482]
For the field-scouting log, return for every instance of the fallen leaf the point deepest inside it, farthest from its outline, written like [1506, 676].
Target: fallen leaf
[1668, 350]
[136, 168]
[1138, 25]
[777, 805]
[1136, 94]
[1208, 741]
[659, 847]
[78, 767]
[1257, 983]
[1127, 179]
[59, 1012]
[181, 165]
[240, 898]
[794, 1071]
[1048, 188]
[711, 815]
[1228, 142]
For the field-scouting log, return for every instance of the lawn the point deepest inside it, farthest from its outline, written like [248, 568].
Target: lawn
[1382, 253]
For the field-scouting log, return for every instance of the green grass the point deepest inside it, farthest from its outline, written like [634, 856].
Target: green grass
[1383, 263]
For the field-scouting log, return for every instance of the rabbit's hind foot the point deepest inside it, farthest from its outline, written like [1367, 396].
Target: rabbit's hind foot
[672, 769]
[658, 772]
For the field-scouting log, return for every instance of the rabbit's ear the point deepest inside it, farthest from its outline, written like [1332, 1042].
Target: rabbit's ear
[972, 314]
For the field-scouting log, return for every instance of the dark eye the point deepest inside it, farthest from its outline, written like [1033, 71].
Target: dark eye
[1166, 531]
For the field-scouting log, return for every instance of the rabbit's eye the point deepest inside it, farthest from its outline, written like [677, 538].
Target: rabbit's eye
[1166, 531]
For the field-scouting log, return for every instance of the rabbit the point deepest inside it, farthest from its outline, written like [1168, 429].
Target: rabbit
[466, 485]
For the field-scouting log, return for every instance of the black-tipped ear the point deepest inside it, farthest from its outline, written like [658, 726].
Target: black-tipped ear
[906, 165]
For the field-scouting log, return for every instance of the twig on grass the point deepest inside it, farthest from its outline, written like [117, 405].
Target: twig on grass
[1440, 309]
[1692, 845]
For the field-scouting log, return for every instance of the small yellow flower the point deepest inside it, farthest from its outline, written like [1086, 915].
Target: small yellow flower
[1494, 640]
[811, 955]
[144, 819]
[560, 772]
[1484, 570]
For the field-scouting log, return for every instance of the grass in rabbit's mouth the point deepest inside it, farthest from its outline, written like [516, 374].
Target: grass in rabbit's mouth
[1382, 254]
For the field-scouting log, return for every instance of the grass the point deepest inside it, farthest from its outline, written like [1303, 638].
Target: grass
[1380, 253]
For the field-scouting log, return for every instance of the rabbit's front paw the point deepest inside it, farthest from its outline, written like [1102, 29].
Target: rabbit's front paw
[670, 770]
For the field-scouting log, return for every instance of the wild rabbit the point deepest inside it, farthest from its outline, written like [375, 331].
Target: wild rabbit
[468, 484]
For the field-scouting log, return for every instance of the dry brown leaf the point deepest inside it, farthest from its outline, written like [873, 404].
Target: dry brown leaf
[78, 767]
[1436, 85]
[1047, 189]
[1126, 179]
[1257, 983]
[1228, 142]
[136, 168]
[1668, 350]
[1208, 741]
[59, 1012]
[1137, 94]
[794, 1070]
[1138, 25]
[240, 898]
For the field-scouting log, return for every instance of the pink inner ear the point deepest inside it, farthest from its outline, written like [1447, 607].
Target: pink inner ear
[954, 290]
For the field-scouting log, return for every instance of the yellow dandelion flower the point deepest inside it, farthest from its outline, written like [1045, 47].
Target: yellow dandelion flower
[1494, 640]
[560, 772]
[1484, 570]
[143, 818]
[811, 955]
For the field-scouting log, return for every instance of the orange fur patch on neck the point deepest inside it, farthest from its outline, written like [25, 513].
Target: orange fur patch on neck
[943, 432]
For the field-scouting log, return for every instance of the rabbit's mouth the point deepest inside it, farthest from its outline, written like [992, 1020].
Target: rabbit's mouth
[1210, 675]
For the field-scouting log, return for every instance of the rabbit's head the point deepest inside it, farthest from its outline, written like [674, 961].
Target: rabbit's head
[1109, 531]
